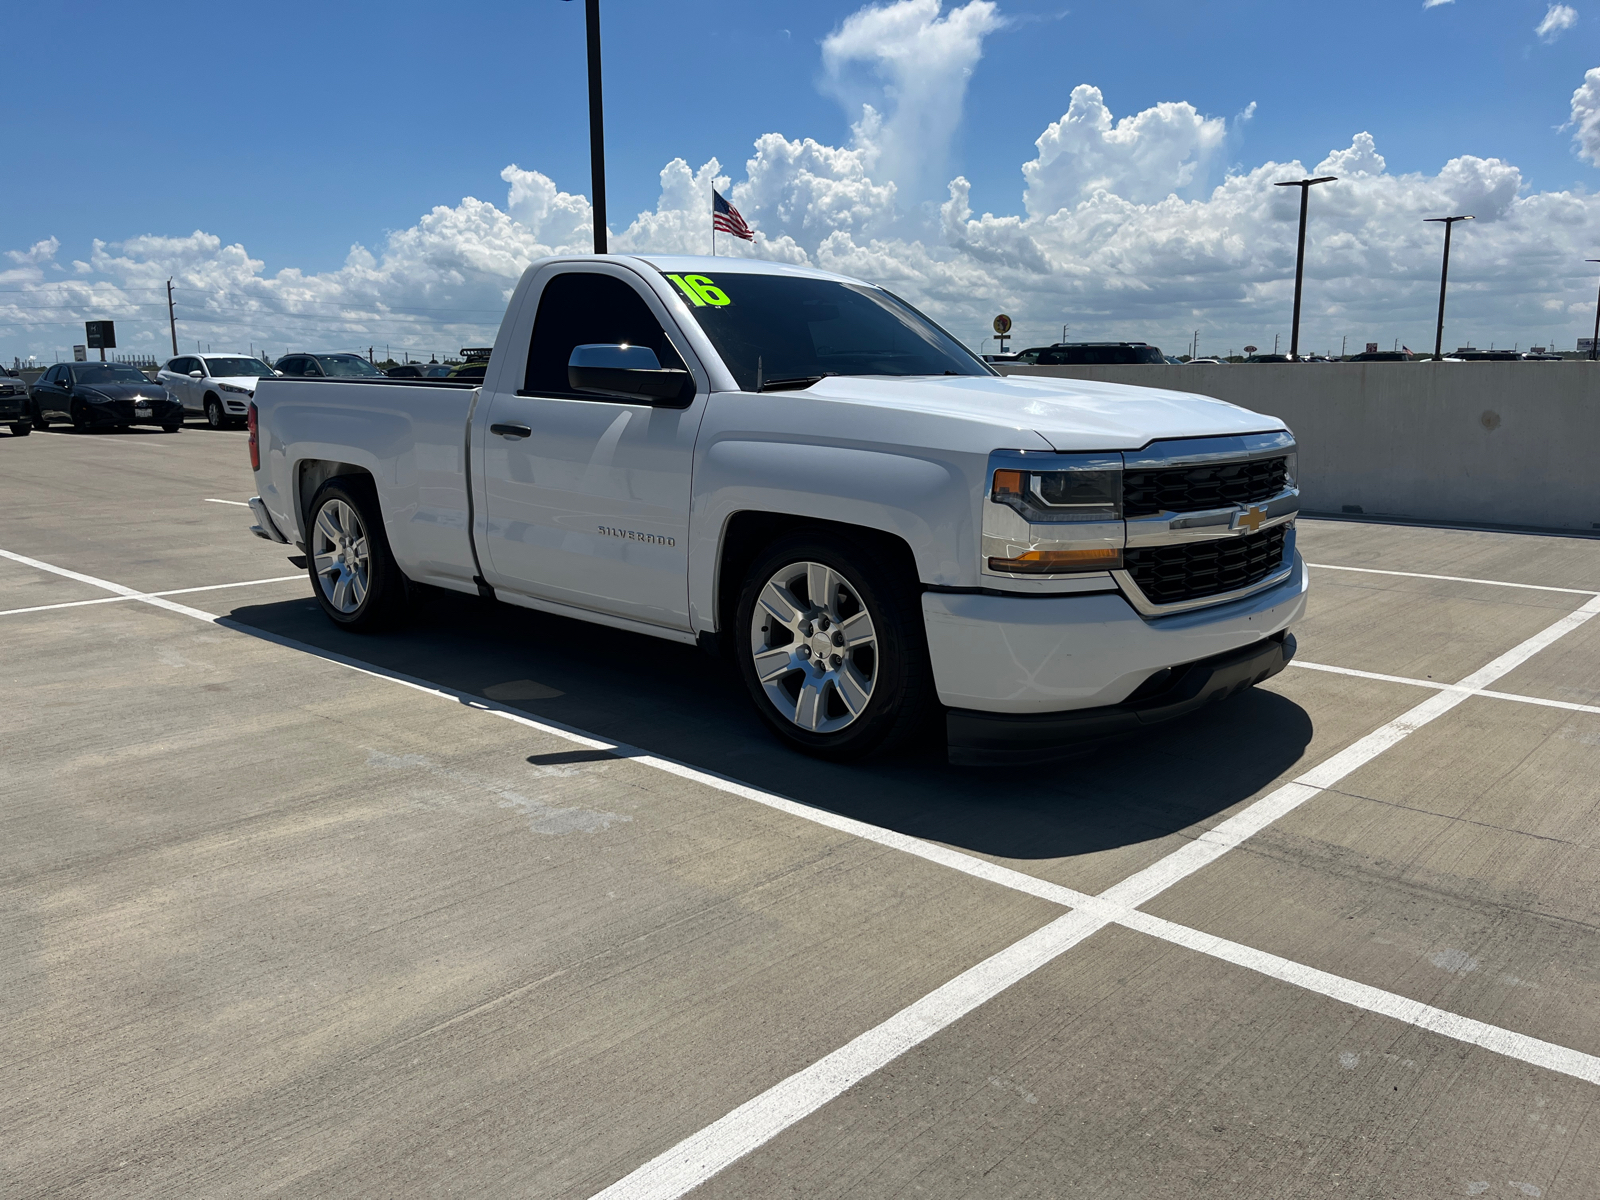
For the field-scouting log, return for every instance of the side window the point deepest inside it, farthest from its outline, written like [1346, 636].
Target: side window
[583, 307]
[200, 364]
[290, 365]
[310, 367]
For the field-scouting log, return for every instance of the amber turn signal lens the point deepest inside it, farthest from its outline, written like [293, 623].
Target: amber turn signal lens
[1050, 562]
[1008, 483]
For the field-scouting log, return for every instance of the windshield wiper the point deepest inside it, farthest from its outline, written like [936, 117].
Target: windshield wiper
[795, 381]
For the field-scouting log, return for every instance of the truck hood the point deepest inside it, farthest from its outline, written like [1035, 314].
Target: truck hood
[1070, 414]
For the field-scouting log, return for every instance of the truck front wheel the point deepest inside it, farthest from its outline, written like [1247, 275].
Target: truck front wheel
[831, 645]
[353, 573]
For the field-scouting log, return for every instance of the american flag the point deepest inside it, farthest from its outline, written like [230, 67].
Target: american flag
[725, 217]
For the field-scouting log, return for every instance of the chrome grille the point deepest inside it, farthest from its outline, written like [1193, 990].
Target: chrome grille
[1195, 489]
[1194, 570]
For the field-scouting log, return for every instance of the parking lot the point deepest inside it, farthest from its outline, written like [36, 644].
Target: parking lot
[505, 904]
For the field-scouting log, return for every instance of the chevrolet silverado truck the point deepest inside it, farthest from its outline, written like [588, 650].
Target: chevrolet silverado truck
[802, 472]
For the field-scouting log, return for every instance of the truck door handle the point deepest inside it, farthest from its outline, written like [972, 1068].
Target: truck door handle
[519, 431]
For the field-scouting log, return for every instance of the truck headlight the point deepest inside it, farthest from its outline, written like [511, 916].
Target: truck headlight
[1052, 514]
[1090, 492]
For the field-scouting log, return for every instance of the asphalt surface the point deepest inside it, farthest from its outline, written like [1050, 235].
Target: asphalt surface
[274, 920]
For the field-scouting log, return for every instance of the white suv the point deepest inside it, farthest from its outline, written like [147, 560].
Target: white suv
[218, 385]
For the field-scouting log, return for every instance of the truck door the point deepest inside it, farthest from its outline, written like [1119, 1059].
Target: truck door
[591, 507]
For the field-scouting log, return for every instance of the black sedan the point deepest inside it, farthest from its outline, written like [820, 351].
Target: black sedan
[102, 396]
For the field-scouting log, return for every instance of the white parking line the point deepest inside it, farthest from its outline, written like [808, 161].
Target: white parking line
[1446, 687]
[240, 503]
[1534, 587]
[214, 587]
[747, 1127]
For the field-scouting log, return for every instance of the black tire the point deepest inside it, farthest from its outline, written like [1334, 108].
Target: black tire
[39, 421]
[380, 601]
[214, 417]
[80, 420]
[171, 428]
[900, 699]
[21, 428]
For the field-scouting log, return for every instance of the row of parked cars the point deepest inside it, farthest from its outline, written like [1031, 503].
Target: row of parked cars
[1095, 354]
[218, 387]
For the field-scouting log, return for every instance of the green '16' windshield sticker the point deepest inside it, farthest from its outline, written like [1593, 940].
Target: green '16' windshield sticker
[701, 291]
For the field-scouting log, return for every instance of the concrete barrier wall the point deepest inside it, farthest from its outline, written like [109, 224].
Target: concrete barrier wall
[1513, 443]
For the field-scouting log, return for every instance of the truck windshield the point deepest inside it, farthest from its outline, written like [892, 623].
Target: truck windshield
[790, 328]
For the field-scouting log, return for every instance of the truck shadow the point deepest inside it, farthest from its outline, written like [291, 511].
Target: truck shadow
[676, 701]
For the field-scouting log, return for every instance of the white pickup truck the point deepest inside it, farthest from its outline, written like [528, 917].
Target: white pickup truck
[802, 472]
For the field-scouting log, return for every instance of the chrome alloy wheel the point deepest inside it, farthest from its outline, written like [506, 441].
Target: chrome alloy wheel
[339, 551]
[813, 646]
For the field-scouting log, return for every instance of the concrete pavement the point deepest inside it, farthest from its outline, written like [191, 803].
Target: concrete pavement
[270, 924]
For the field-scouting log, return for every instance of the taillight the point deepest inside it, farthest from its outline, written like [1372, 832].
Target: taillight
[255, 442]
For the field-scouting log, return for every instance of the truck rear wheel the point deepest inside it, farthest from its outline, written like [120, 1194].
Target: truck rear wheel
[353, 573]
[830, 644]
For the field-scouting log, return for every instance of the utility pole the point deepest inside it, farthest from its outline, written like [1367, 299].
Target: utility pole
[1305, 186]
[597, 140]
[172, 320]
[1449, 224]
[1594, 342]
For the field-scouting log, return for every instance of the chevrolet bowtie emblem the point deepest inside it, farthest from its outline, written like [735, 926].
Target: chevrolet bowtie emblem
[1250, 518]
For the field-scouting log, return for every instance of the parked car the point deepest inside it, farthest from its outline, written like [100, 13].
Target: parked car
[803, 473]
[327, 366]
[1209, 362]
[1268, 358]
[471, 371]
[94, 395]
[1090, 354]
[1484, 356]
[217, 386]
[433, 370]
[15, 408]
[1380, 356]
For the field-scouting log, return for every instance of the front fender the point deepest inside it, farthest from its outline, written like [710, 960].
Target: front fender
[922, 499]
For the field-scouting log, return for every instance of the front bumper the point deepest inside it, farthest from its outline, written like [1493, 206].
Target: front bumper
[1039, 654]
[986, 738]
[125, 412]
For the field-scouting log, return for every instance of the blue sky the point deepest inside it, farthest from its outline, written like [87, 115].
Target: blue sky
[298, 130]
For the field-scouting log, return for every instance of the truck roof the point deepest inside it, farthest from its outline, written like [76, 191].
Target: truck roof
[705, 264]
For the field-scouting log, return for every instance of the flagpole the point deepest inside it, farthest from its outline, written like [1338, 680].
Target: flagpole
[713, 219]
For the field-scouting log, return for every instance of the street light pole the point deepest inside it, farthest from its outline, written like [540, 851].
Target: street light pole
[1594, 342]
[1305, 186]
[597, 139]
[172, 320]
[1449, 223]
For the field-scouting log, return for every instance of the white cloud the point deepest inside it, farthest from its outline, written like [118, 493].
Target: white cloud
[921, 61]
[1435, 3]
[1557, 20]
[1586, 117]
[1113, 231]
[1144, 157]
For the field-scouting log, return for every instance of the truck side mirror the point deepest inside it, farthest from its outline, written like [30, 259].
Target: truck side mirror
[627, 372]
